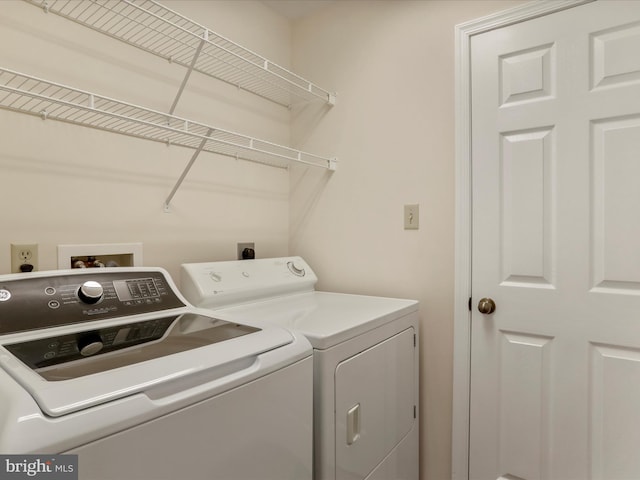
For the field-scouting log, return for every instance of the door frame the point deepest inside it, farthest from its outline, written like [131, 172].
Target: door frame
[463, 221]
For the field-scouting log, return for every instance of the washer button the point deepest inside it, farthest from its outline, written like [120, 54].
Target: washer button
[54, 304]
[49, 291]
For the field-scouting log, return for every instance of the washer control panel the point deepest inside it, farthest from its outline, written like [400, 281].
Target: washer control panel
[30, 303]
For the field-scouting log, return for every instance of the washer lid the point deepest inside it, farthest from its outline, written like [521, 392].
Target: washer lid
[190, 353]
[326, 319]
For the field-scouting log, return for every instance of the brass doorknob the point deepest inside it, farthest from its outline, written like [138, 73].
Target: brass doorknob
[486, 306]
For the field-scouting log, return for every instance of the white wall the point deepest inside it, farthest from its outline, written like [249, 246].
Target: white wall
[392, 65]
[65, 184]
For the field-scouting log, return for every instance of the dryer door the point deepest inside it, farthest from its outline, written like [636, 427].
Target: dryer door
[375, 394]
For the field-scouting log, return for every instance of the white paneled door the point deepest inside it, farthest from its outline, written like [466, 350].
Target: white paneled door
[555, 369]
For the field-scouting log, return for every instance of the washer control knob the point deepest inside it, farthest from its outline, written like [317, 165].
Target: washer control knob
[295, 270]
[90, 292]
[90, 344]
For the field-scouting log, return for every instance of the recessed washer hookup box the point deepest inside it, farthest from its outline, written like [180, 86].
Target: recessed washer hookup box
[100, 255]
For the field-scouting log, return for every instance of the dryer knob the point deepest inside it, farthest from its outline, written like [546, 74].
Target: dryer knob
[295, 270]
[90, 292]
[90, 344]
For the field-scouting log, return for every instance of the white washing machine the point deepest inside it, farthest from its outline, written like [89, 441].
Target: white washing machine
[365, 353]
[115, 366]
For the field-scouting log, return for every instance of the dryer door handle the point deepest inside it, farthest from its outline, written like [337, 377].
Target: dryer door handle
[353, 424]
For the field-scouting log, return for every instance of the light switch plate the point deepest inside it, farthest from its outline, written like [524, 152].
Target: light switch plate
[412, 217]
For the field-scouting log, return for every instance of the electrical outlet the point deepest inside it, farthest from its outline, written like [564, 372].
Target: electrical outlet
[24, 254]
[244, 249]
[411, 217]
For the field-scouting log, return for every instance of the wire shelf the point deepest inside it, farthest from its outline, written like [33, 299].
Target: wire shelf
[156, 29]
[23, 93]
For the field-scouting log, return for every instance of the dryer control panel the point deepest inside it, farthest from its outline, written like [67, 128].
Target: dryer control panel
[35, 302]
[218, 284]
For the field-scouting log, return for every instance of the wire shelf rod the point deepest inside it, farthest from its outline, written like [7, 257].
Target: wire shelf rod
[186, 76]
[185, 172]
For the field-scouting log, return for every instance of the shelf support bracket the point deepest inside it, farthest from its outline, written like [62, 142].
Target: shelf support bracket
[167, 208]
[189, 70]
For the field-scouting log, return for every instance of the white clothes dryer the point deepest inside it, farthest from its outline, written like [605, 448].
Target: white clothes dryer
[365, 352]
[115, 366]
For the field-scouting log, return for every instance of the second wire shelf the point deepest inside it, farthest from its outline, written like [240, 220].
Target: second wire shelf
[28, 94]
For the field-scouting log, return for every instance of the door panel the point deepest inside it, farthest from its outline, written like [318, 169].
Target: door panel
[555, 370]
[616, 197]
[524, 400]
[614, 59]
[526, 179]
[615, 424]
[374, 405]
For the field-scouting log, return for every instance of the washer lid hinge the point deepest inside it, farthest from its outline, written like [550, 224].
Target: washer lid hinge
[469, 304]
[415, 412]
